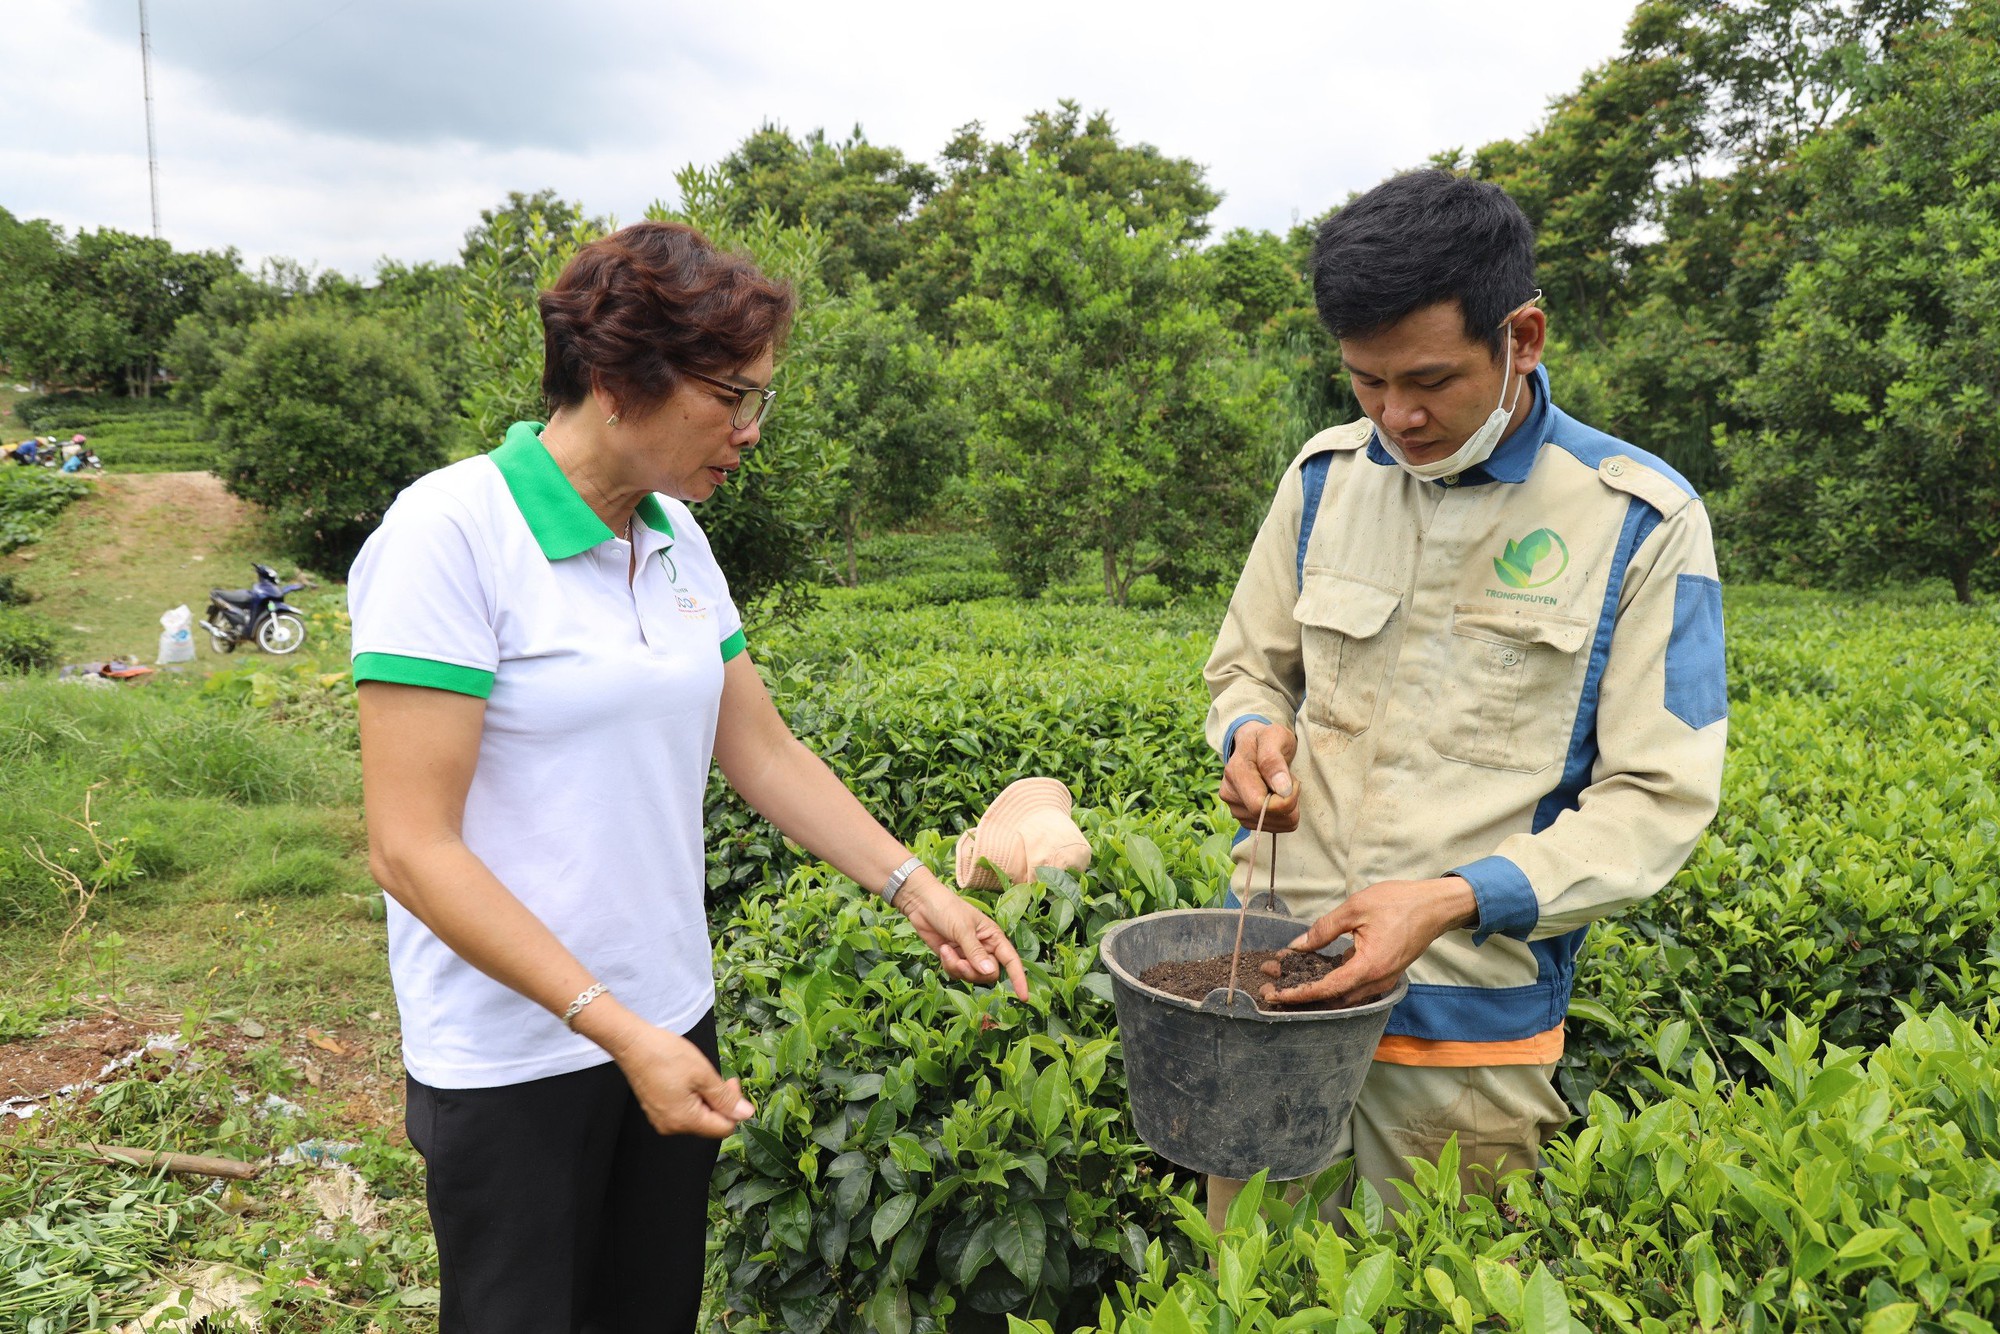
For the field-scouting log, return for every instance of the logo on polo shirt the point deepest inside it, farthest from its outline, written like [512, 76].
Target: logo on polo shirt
[1520, 564]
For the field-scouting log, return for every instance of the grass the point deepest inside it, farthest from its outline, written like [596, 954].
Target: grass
[177, 856]
[138, 546]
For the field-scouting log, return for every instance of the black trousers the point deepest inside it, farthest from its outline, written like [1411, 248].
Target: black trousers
[559, 1209]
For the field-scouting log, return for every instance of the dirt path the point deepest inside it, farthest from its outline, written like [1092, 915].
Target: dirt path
[138, 545]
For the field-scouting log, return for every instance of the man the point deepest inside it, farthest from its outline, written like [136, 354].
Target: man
[1474, 660]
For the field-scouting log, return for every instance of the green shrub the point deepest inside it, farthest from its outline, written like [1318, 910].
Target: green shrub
[926, 1154]
[939, 588]
[237, 756]
[27, 642]
[298, 693]
[322, 420]
[889, 556]
[1852, 1191]
[30, 499]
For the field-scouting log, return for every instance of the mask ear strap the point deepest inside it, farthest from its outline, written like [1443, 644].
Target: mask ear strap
[1508, 325]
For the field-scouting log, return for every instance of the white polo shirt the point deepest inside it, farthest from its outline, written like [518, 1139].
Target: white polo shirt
[493, 578]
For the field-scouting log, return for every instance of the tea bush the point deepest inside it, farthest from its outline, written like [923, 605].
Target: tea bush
[1848, 880]
[927, 1155]
[29, 499]
[1853, 863]
[972, 698]
[1852, 1191]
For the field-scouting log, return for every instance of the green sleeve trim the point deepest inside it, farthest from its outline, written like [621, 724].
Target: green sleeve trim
[732, 646]
[402, 671]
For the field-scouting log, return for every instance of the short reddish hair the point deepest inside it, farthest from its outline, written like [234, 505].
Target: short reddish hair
[632, 310]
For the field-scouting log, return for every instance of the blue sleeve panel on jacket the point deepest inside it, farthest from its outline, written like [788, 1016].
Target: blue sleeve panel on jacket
[1697, 684]
[1507, 902]
[1229, 737]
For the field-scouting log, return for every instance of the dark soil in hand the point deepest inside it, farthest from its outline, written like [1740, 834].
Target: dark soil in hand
[1281, 969]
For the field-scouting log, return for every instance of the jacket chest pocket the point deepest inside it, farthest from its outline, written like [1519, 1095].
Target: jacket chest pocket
[1509, 698]
[1344, 639]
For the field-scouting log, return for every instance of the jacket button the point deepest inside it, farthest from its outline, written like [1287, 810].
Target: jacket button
[1615, 467]
[1508, 657]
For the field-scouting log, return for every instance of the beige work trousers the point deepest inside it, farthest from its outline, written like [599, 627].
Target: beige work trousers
[1502, 1115]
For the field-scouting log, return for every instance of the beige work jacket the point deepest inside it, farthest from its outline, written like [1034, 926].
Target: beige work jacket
[1515, 677]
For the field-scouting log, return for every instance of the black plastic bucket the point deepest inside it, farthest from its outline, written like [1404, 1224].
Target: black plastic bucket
[1220, 1086]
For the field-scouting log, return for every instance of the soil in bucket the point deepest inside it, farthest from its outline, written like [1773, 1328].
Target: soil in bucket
[1193, 979]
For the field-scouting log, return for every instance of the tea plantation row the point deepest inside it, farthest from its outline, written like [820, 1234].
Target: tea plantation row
[129, 435]
[1785, 1125]
[1784, 1063]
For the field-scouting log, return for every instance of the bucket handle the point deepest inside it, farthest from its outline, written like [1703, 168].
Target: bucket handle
[1249, 879]
[1237, 1002]
[1270, 902]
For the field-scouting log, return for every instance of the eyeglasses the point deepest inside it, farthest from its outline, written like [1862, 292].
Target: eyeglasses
[751, 402]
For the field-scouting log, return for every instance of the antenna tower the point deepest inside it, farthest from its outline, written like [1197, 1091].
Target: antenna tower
[152, 156]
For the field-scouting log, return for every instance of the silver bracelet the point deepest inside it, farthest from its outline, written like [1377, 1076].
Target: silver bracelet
[583, 998]
[898, 876]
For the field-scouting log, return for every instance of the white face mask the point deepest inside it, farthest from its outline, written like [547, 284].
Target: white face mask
[1479, 446]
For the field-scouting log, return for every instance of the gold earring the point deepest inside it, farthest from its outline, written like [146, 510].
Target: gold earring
[612, 420]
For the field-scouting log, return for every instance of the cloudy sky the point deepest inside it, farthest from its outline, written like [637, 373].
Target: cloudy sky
[336, 132]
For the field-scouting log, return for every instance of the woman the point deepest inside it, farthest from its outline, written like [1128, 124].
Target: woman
[546, 658]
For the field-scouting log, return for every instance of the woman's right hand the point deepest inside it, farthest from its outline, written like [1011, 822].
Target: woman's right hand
[681, 1093]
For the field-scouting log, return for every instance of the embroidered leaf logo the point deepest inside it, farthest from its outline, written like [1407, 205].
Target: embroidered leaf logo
[1516, 564]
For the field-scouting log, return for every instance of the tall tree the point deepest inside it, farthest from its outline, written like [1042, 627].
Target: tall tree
[97, 308]
[144, 285]
[504, 233]
[1878, 386]
[1100, 369]
[904, 430]
[1257, 272]
[1144, 185]
[768, 525]
[46, 335]
[857, 194]
[1665, 202]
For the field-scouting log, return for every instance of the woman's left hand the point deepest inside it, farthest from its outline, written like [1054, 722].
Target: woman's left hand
[969, 944]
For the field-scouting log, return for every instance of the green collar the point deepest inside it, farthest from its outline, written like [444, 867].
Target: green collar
[563, 524]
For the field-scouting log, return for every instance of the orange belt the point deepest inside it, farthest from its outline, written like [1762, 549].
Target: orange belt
[1541, 1049]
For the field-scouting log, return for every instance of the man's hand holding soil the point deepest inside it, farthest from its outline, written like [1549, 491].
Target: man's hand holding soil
[1392, 922]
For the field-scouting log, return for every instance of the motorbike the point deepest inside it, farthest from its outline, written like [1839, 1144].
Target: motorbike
[258, 613]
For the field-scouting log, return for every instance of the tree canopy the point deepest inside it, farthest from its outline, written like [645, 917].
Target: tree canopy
[1765, 231]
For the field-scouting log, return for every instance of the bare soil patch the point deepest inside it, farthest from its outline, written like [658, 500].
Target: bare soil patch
[73, 1052]
[350, 1073]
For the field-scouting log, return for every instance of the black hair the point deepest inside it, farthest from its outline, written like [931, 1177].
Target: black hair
[1418, 239]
